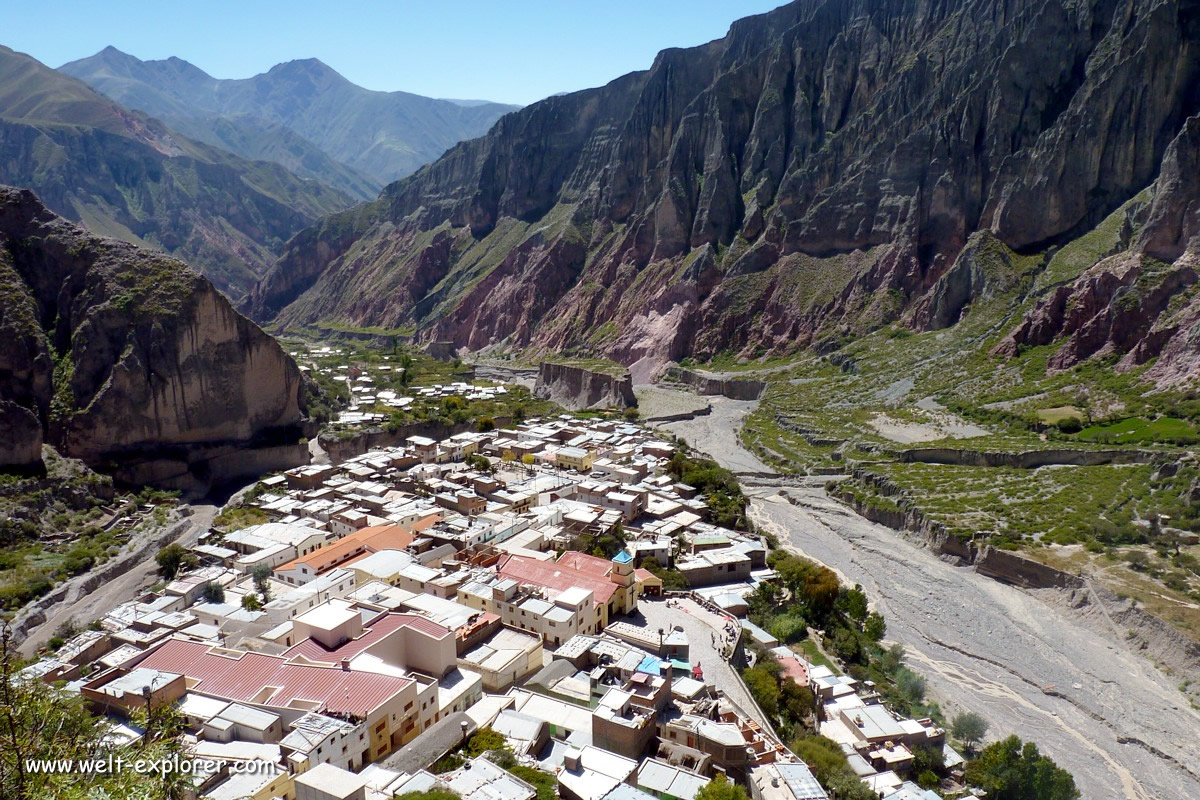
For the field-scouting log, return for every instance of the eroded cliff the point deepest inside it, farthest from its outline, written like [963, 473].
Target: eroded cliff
[815, 174]
[129, 360]
[575, 387]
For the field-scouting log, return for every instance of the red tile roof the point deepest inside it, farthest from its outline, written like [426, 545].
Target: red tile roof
[582, 562]
[243, 675]
[379, 628]
[557, 576]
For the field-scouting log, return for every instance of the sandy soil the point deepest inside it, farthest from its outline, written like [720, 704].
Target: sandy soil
[655, 402]
[939, 426]
[716, 436]
[1103, 712]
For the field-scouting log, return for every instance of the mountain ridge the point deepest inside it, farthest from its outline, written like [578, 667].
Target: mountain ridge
[126, 174]
[817, 173]
[380, 136]
[131, 361]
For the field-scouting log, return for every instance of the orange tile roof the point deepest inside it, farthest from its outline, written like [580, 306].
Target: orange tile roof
[372, 539]
[589, 565]
[556, 575]
[644, 575]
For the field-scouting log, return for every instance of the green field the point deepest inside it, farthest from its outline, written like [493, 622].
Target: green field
[1137, 430]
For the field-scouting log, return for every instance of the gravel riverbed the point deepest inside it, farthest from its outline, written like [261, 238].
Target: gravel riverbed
[1105, 713]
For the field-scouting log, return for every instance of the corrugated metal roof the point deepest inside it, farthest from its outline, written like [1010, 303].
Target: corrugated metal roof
[243, 676]
[383, 625]
[560, 575]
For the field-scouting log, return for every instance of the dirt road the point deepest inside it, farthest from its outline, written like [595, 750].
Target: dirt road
[1121, 727]
[83, 607]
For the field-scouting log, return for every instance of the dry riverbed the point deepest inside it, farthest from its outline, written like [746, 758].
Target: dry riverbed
[1036, 669]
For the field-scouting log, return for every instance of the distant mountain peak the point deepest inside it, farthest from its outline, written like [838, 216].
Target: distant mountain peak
[381, 136]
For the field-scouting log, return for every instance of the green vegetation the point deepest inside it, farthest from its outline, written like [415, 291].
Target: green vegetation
[1136, 430]
[172, 559]
[969, 728]
[718, 486]
[38, 721]
[63, 523]
[235, 518]
[545, 783]
[721, 788]
[673, 580]
[430, 794]
[828, 764]
[1010, 770]
[484, 740]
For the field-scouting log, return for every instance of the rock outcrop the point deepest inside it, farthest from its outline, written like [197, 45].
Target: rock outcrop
[814, 174]
[701, 383]
[576, 387]
[130, 361]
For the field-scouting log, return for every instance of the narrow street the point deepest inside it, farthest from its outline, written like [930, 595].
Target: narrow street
[704, 630]
[83, 607]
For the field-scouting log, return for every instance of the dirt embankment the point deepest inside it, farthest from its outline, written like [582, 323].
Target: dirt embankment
[1026, 459]
[707, 384]
[576, 387]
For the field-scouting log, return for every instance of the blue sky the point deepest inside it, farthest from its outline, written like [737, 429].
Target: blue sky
[515, 51]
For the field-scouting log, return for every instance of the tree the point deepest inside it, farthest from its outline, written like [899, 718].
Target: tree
[251, 603]
[797, 701]
[764, 689]
[847, 646]
[214, 592]
[892, 658]
[1010, 770]
[484, 740]
[38, 721]
[171, 559]
[823, 756]
[719, 788]
[853, 603]
[911, 685]
[875, 627]
[262, 581]
[969, 728]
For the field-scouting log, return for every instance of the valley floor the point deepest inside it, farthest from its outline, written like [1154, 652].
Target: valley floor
[1105, 713]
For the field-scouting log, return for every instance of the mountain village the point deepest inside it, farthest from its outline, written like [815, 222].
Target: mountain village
[509, 580]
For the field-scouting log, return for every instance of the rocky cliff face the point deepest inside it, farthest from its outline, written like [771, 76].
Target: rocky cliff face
[815, 173]
[119, 355]
[575, 387]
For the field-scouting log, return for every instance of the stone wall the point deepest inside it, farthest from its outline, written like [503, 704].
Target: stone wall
[1010, 567]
